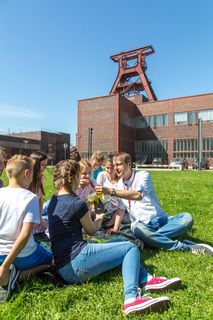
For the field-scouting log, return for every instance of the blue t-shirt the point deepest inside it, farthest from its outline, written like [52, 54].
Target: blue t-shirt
[64, 214]
[96, 172]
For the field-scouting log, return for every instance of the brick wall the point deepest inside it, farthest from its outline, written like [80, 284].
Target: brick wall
[101, 114]
[110, 134]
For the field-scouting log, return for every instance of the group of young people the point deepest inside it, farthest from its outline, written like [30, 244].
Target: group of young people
[131, 196]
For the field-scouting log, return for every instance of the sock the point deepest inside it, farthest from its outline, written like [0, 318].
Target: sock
[129, 300]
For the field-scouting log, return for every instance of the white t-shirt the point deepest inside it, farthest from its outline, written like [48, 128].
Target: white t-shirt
[115, 203]
[17, 206]
[148, 207]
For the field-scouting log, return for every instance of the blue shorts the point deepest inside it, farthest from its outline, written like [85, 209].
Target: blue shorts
[39, 257]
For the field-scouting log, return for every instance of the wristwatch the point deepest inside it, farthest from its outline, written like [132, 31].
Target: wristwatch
[113, 192]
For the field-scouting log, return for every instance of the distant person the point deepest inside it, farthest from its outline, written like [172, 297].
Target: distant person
[97, 160]
[150, 222]
[20, 256]
[2, 164]
[74, 154]
[40, 164]
[78, 261]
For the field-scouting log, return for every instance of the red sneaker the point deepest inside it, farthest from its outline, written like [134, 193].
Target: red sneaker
[157, 284]
[147, 304]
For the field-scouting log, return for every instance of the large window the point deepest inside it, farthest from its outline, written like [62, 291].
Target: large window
[152, 121]
[206, 115]
[188, 148]
[180, 118]
[127, 119]
[191, 117]
[151, 149]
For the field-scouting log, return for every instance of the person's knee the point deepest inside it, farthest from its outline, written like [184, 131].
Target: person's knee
[130, 245]
[141, 231]
[188, 219]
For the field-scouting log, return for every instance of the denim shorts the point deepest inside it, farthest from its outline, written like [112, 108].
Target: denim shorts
[39, 257]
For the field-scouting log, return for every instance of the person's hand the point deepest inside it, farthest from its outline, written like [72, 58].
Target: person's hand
[4, 276]
[100, 189]
[110, 231]
[43, 223]
[84, 182]
[99, 216]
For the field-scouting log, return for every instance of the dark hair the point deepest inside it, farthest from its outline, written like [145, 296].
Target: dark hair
[37, 183]
[74, 154]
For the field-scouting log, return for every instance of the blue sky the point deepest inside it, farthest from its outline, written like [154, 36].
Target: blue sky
[55, 52]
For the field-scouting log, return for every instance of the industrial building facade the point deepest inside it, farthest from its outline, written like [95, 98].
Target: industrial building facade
[55, 145]
[142, 125]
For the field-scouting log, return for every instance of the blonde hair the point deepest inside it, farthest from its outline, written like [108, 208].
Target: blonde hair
[109, 159]
[17, 164]
[85, 163]
[65, 173]
[98, 156]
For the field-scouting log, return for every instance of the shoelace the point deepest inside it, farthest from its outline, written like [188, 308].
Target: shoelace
[140, 291]
[198, 251]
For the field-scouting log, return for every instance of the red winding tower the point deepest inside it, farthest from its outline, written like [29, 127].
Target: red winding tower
[131, 78]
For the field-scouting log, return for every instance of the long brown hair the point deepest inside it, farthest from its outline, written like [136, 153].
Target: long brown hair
[38, 157]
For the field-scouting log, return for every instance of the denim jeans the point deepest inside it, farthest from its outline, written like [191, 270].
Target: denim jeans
[96, 258]
[159, 233]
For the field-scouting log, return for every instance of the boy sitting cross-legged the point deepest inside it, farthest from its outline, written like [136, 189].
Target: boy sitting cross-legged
[20, 256]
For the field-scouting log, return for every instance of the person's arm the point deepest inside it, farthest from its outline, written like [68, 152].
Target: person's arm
[118, 218]
[42, 221]
[91, 227]
[19, 244]
[124, 194]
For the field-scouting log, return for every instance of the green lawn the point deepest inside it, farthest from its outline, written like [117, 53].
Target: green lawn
[102, 298]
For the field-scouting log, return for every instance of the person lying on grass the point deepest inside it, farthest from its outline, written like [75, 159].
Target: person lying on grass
[20, 255]
[78, 261]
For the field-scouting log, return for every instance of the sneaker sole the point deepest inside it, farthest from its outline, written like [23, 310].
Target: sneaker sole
[14, 278]
[5, 291]
[3, 295]
[207, 247]
[172, 284]
[153, 305]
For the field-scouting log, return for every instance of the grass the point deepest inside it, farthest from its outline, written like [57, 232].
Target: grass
[102, 298]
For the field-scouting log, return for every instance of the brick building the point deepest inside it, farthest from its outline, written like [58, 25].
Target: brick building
[52, 143]
[131, 119]
[15, 145]
[163, 128]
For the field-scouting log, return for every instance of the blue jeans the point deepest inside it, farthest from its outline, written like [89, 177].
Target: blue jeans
[39, 257]
[159, 234]
[96, 258]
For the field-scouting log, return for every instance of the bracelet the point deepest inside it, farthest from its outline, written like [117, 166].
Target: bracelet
[113, 192]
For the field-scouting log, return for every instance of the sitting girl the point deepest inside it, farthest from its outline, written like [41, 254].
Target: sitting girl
[40, 163]
[115, 207]
[87, 184]
[97, 160]
[78, 261]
